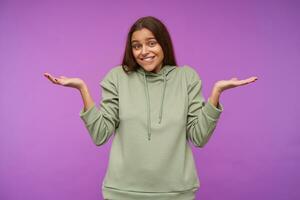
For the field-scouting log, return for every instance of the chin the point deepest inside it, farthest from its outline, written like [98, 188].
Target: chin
[150, 69]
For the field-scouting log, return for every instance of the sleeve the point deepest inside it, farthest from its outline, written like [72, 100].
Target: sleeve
[103, 121]
[202, 116]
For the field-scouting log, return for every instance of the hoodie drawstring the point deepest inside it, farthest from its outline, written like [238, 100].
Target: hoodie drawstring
[162, 99]
[148, 104]
[148, 108]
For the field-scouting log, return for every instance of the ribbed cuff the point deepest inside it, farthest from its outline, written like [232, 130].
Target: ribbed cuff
[89, 115]
[212, 111]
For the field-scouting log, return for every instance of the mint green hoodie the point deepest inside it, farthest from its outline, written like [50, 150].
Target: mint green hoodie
[154, 117]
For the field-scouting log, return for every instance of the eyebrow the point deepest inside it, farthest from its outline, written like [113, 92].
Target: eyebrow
[150, 38]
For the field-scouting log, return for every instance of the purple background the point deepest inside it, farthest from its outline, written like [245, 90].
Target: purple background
[45, 150]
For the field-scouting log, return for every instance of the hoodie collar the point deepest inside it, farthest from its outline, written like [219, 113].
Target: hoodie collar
[161, 75]
[164, 70]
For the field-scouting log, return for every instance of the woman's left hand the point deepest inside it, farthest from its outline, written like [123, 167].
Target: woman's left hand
[222, 85]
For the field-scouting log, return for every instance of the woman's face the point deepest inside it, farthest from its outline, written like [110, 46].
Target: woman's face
[146, 50]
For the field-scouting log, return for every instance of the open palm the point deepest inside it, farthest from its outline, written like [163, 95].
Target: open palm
[233, 82]
[65, 81]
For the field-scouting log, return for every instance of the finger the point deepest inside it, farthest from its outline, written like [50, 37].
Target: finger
[51, 78]
[57, 81]
[241, 82]
[47, 75]
[63, 77]
[54, 80]
[246, 81]
[255, 78]
[251, 79]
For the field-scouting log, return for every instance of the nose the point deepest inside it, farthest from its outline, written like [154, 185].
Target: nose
[144, 50]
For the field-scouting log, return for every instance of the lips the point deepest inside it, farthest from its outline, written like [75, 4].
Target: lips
[148, 59]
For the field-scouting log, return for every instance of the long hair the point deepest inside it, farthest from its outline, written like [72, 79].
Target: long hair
[160, 33]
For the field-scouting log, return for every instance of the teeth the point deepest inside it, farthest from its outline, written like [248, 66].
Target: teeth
[148, 58]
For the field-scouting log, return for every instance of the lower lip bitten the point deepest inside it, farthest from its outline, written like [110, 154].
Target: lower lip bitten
[149, 60]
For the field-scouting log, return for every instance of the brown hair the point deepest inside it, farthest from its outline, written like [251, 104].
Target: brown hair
[160, 33]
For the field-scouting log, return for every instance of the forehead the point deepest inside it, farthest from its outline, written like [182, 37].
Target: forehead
[141, 35]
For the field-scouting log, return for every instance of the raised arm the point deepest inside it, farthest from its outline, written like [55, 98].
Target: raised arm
[100, 122]
[76, 83]
[202, 116]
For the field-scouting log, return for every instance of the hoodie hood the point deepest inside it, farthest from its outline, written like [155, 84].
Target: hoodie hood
[162, 75]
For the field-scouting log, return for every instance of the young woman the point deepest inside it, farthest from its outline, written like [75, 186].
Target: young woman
[154, 108]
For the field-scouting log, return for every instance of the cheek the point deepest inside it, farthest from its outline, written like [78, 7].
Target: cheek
[161, 53]
[135, 54]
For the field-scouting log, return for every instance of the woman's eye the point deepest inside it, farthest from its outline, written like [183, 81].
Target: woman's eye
[136, 46]
[152, 43]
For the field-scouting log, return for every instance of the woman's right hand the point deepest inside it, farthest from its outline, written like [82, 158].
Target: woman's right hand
[65, 81]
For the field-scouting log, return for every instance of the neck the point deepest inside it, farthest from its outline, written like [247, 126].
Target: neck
[156, 70]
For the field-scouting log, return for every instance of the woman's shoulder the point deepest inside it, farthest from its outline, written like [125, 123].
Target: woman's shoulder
[116, 69]
[115, 72]
[189, 71]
